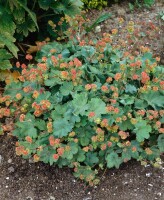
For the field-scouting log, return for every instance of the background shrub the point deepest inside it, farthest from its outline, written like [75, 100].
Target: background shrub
[98, 4]
[19, 18]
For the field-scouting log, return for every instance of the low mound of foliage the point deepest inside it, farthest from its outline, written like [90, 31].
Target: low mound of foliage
[88, 104]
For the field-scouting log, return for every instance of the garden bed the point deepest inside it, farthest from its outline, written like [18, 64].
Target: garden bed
[22, 179]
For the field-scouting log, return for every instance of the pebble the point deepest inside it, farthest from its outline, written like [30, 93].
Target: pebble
[125, 183]
[9, 160]
[11, 169]
[29, 198]
[148, 174]
[52, 198]
[31, 160]
[7, 178]
[1, 160]
[23, 161]
[87, 198]
[98, 29]
[159, 193]
[112, 174]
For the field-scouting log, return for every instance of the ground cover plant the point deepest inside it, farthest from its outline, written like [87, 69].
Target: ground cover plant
[88, 104]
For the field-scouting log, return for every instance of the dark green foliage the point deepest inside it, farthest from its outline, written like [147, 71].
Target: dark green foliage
[20, 17]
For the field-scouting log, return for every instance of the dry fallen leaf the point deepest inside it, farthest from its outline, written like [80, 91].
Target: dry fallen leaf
[36, 48]
[8, 76]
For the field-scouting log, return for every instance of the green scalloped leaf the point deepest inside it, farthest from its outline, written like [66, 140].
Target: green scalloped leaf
[154, 99]
[81, 156]
[142, 130]
[41, 125]
[66, 88]
[61, 128]
[69, 7]
[79, 104]
[130, 89]
[113, 160]
[127, 100]
[26, 128]
[91, 158]
[27, 26]
[161, 142]
[45, 4]
[98, 106]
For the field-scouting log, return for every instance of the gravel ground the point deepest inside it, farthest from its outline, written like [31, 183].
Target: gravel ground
[24, 180]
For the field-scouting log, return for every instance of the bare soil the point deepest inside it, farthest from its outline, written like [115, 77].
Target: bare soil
[24, 180]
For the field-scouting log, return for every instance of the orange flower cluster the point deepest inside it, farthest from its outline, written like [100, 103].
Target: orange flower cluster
[53, 141]
[144, 77]
[5, 112]
[49, 127]
[104, 88]
[123, 134]
[28, 139]
[91, 114]
[21, 150]
[40, 108]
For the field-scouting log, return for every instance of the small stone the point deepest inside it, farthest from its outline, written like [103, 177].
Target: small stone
[1, 160]
[29, 198]
[125, 183]
[52, 198]
[148, 174]
[11, 169]
[87, 198]
[98, 29]
[9, 161]
[23, 161]
[7, 178]
[159, 193]
[31, 160]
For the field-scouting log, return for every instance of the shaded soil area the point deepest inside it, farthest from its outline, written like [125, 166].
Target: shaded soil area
[24, 180]
[144, 20]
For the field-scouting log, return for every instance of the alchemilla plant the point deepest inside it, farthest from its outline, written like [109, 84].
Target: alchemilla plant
[88, 105]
